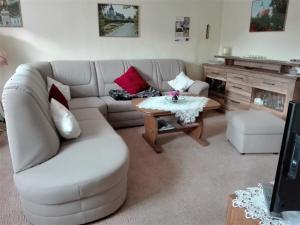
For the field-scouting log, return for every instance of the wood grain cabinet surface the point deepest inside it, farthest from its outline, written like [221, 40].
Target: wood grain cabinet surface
[243, 85]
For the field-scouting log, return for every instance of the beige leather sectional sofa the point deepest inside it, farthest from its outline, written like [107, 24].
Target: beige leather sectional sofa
[81, 180]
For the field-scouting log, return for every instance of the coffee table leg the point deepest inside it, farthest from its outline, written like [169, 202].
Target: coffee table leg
[197, 133]
[151, 132]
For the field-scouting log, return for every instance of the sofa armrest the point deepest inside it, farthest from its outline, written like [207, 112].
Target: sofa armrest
[199, 88]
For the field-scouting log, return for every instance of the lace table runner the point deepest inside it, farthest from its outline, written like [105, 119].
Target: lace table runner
[253, 201]
[187, 108]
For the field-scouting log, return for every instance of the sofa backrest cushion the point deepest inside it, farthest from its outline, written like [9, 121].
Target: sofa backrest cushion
[44, 68]
[156, 72]
[168, 69]
[147, 70]
[108, 70]
[31, 132]
[79, 75]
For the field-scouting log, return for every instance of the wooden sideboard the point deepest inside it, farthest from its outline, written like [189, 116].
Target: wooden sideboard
[238, 85]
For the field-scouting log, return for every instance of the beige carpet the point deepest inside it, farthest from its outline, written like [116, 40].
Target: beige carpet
[186, 185]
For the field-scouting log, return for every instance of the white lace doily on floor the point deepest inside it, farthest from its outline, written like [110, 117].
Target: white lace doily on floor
[253, 201]
[187, 108]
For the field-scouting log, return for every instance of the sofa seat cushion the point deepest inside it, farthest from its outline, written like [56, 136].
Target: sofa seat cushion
[84, 167]
[117, 106]
[88, 102]
[255, 122]
[86, 114]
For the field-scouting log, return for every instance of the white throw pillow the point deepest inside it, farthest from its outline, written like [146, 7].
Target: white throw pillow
[64, 120]
[64, 89]
[181, 82]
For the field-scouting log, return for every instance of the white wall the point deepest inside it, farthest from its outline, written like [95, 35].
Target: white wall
[275, 45]
[68, 29]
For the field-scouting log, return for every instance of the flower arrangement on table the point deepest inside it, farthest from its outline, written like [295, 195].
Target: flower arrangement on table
[174, 95]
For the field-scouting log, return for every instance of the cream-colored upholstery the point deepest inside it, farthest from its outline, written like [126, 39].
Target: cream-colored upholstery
[31, 133]
[88, 102]
[254, 131]
[79, 75]
[82, 180]
[68, 182]
[156, 72]
[90, 168]
[114, 106]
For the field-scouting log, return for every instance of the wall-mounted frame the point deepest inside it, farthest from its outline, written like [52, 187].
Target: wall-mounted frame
[268, 15]
[182, 28]
[10, 13]
[118, 20]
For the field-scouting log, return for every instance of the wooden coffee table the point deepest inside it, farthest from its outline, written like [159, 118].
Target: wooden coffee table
[195, 130]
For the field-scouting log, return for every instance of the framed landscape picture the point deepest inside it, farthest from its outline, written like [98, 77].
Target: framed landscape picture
[116, 20]
[268, 15]
[10, 13]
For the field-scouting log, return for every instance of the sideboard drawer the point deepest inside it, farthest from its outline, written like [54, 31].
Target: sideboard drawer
[258, 65]
[238, 79]
[238, 97]
[234, 104]
[238, 89]
[215, 73]
[270, 85]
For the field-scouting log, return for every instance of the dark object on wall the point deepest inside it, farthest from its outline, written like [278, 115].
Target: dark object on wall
[10, 13]
[116, 20]
[286, 191]
[268, 15]
[207, 31]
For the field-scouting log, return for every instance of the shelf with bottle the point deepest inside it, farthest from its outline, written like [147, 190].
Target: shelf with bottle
[268, 99]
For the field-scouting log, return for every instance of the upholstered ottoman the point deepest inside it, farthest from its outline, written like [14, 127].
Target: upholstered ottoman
[254, 131]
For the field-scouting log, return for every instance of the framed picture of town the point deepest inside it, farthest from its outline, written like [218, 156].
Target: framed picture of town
[116, 20]
[268, 15]
[10, 13]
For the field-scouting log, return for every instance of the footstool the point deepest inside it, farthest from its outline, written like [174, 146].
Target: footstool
[254, 131]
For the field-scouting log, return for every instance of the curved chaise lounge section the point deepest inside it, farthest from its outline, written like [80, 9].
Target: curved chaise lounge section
[85, 181]
[62, 182]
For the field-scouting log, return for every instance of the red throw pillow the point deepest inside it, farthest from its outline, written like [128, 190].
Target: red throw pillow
[58, 96]
[131, 81]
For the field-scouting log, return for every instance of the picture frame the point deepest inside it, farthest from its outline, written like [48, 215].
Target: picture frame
[10, 13]
[268, 15]
[118, 20]
[182, 29]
